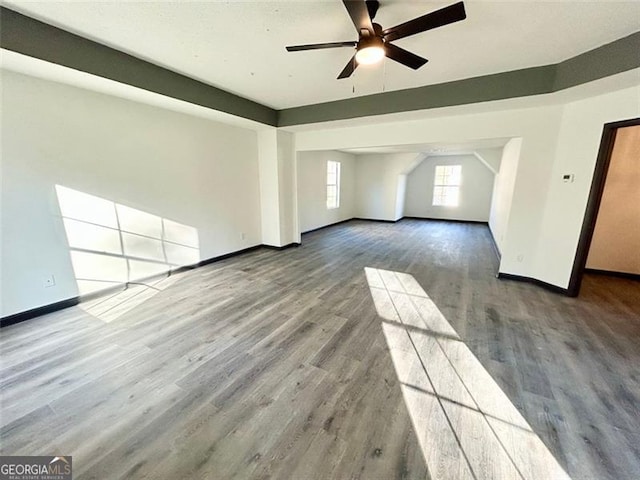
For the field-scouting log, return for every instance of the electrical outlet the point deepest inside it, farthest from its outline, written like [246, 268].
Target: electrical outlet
[243, 236]
[49, 281]
[520, 257]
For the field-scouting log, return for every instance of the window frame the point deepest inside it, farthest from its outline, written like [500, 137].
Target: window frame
[447, 186]
[333, 169]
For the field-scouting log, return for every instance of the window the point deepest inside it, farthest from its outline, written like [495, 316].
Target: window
[446, 185]
[333, 184]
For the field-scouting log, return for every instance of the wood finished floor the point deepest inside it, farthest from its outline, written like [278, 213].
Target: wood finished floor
[275, 365]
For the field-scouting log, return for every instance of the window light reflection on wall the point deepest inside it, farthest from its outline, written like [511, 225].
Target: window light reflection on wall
[111, 243]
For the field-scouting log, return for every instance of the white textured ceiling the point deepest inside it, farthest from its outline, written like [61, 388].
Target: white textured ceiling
[238, 46]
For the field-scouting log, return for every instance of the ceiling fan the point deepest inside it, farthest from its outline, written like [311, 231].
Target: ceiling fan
[374, 43]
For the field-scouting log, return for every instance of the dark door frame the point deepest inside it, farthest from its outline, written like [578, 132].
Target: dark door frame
[593, 204]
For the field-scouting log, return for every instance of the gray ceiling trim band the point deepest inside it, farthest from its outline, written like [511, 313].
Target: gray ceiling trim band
[31, 37]
[25, 35]
[518, 83]
[615, 57]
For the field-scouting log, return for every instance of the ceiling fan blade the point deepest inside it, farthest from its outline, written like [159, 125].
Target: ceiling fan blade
[444, 16]
[404, 57]
[318, 46]
[372, 8]
[349, 68]
[359, 14]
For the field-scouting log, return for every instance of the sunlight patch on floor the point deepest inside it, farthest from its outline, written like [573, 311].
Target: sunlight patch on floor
[112, 307]
[466, 425]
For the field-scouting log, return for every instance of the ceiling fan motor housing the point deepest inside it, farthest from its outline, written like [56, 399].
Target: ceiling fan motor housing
[371, 41]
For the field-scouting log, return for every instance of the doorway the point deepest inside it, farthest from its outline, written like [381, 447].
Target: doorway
[618, 144]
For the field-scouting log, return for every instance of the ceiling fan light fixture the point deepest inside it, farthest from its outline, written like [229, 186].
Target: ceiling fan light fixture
[369, 55]
[369, 51]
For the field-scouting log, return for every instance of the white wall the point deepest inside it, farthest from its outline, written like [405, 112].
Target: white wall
[615, 245]
[312, 189]
[503, 191]
[377, 185]
[401, 195]
[196, 172]
[491, 157]
[579, 138]
[287, 175]
[269, 186]
[475, 191]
